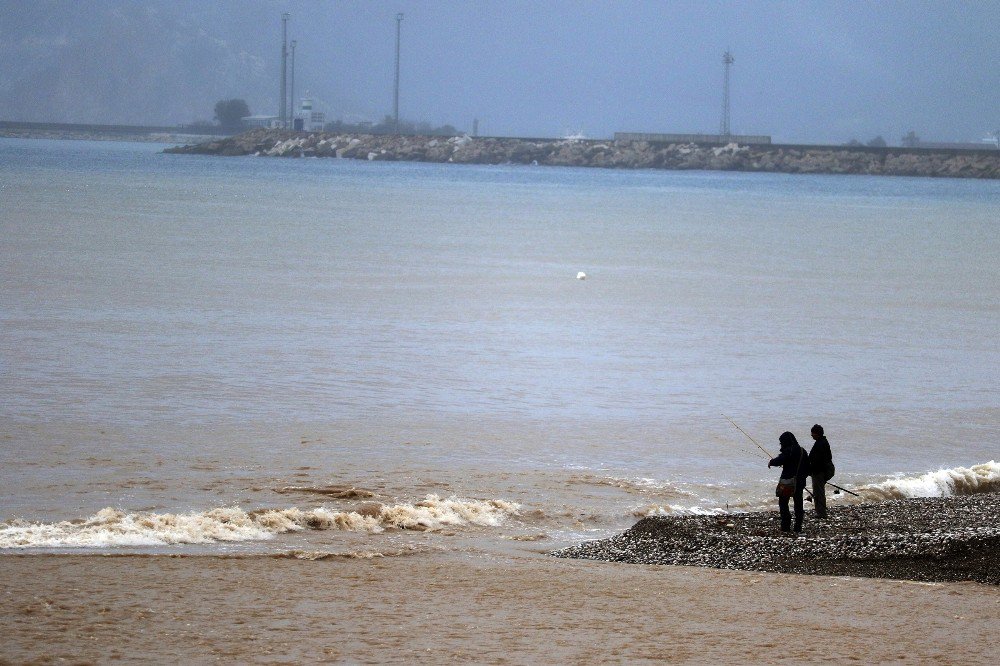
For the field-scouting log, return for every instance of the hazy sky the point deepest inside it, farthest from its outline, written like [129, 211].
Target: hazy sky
[805, 71]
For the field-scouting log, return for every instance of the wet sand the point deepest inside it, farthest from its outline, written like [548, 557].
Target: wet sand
[453, 607]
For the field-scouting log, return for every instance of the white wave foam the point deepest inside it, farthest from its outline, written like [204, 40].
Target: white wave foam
[113, 527]
[984, 478]
[678, 510]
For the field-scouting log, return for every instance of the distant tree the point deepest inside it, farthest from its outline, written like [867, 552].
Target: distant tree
[230, 112]
[911, 140]
[877, 142]
[854, 143]
[388, 126]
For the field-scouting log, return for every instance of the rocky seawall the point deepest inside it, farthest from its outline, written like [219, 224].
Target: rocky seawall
[610, 154]
[932, 539]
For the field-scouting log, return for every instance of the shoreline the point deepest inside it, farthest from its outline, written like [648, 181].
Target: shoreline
[499, 605]
[919, 539]
[771, 158]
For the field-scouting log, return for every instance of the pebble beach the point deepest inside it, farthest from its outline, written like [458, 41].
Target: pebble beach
[920, 539]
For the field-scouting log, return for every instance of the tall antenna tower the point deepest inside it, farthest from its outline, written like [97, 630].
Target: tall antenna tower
[727, 60]
[395, 98]
[283, 107]
[291, 94]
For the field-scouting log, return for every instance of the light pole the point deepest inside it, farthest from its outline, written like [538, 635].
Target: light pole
[395, 102]
[283, 107]
[727, 60]
[291, 95]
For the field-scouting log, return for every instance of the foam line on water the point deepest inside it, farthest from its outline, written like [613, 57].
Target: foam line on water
[981, 478]
[114, 527]
[679, 510]
[635, 485]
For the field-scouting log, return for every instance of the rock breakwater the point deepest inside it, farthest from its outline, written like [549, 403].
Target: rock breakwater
[609, 154]
[927, 539]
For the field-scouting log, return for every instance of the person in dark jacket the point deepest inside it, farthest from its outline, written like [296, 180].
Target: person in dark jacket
[794, 463]
[820, 468]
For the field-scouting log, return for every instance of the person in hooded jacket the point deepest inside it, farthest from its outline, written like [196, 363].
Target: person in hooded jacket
[794, 463]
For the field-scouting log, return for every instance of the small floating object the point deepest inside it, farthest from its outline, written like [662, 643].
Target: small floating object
[581, 276]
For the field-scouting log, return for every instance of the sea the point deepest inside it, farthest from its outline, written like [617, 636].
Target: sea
[217, 355]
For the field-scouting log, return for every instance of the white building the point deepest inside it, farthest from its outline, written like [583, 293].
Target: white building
[307, 119]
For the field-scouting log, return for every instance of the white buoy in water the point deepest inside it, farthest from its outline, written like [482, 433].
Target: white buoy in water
[581, 276]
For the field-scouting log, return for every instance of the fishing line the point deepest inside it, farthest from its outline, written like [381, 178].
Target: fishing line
[769, 456]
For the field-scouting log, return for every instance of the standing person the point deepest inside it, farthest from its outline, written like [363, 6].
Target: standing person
[794, 463]
[821, 468]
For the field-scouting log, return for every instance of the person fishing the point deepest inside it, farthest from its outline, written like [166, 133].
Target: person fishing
[820, 468]
[794, 463]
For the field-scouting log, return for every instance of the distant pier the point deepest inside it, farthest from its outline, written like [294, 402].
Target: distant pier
[888, 161]
[31, 130]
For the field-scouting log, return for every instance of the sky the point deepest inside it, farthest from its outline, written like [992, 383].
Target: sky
[804, 72]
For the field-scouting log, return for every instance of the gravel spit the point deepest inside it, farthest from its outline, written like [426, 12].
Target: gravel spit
[925, 539]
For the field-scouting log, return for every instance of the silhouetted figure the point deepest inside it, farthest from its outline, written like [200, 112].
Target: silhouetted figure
[820, 468]
[794, 462]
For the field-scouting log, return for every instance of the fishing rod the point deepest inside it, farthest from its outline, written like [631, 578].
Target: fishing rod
[769, 456]
[849, 492]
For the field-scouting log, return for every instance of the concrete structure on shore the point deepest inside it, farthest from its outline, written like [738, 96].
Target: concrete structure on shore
[265, 121]
[716, 139]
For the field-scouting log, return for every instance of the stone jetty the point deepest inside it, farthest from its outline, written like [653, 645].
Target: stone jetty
[929, 539]
[946, 163]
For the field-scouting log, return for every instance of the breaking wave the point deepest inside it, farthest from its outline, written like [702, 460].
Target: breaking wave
[678, 510]
[316, 555]
[113, 527]
[335, 492]
[984, 478]
[636, 486]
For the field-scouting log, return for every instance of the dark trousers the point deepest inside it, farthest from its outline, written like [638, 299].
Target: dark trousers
[786, 515]
[819, 494]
